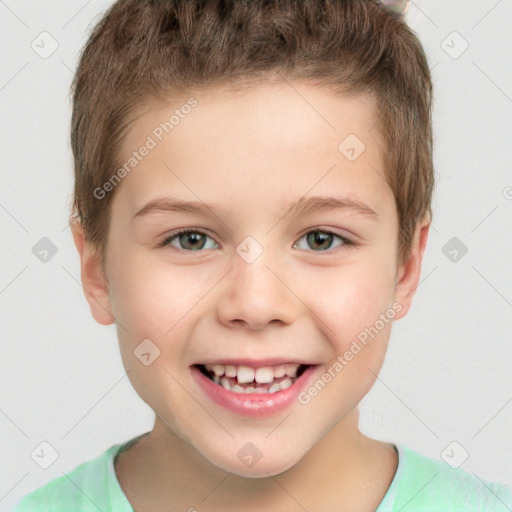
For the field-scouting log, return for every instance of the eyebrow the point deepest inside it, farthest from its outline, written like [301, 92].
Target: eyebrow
[314, 204]
[302, 206]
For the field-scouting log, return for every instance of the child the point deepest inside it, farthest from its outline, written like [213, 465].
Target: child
[253, 183]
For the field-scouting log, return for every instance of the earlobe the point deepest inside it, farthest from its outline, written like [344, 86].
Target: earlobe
[409, 271]
[94, 283]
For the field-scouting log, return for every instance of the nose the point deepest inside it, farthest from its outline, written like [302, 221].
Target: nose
[256, 295]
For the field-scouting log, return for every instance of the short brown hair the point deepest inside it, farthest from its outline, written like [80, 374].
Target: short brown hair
[143, 48]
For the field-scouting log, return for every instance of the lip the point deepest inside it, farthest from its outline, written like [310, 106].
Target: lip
[252, 363]
[255, 405]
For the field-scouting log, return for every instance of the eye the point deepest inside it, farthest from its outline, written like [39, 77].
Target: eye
[321, 240]
[189, 240]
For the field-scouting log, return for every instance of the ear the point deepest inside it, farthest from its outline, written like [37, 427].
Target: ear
[94, 283]
[409, 271]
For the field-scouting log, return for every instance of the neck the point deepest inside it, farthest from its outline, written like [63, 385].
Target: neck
[336, 470]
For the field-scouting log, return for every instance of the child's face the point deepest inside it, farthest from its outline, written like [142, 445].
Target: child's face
[213, 298]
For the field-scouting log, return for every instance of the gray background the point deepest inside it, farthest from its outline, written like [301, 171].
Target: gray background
[447, 375]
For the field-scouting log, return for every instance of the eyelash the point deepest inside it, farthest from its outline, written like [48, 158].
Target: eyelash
[346, 243]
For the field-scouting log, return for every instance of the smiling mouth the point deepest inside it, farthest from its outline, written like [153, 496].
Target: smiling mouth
[245, 379]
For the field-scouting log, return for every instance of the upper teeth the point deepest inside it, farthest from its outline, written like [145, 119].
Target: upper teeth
[246, 374]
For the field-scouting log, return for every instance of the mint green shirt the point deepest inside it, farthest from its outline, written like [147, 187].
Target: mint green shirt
[420, 484]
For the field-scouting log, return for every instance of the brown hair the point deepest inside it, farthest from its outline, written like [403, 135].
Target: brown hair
[144, 48]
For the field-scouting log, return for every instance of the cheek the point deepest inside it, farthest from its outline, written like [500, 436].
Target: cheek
[354, 296]
[155, 305]
[153, 297]
[357, 306]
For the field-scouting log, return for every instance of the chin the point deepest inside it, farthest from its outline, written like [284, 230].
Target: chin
[252, 463]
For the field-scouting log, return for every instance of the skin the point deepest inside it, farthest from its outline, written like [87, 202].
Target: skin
[250, 155]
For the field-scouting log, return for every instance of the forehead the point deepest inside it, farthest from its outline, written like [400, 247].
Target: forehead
[270, 143]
